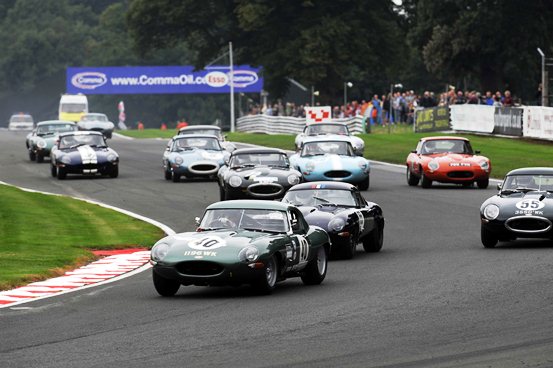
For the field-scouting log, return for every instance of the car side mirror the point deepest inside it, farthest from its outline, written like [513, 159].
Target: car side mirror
[499, 186]
[413, 151]
[197, 221]
[477, 152]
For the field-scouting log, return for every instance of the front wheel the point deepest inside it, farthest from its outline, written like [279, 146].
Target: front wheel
[350, 248]
[412, 179]
[372, 243]
[483, 184]
[54, 170]
[32, 155]
[222, 194]
[62, 174]
[426, 183]
[315, 272]
[489, 240]
[114, 172]
[267, 283]
[39, 158]
[176, 177]
[167, 174]
[364, 185]
[163, 286]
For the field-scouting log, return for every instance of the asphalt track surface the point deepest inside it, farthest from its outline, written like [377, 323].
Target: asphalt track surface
[433, 297]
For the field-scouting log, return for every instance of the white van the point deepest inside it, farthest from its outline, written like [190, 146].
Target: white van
[73, 107]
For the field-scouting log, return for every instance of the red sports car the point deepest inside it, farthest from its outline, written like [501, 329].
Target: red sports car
[447, 160]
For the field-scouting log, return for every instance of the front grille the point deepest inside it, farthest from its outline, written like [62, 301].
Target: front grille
[203, 167]
[460, 174]
[199, 268]
[527, 224]
[265, 189]
[337, 174]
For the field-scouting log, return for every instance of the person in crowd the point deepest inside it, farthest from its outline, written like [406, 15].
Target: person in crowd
[488, 99]
[473, 98]
[497, 101]
[426, 100]
[386, 108]
[460, 99]
[508, 99]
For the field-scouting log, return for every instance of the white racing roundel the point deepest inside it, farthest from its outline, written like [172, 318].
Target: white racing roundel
[207, 243]
[530, 205]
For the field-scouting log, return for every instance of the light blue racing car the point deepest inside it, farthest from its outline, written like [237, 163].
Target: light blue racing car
[193, 156]
[332, 159]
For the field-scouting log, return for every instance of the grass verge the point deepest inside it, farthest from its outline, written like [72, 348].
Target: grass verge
[42, 235]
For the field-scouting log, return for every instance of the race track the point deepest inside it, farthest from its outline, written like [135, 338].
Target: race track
[433, 297]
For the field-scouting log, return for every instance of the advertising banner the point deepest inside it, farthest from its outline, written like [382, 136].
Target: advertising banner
[472, 118]
[538, 122]
[507, 121]
[318, 114]
[432, 119]
[161, 80]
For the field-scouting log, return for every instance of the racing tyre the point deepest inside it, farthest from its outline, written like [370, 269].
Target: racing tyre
[163, 286]
[61, 173]
[315, 272]
[412, 179]
[114, 172]
[222, 194]
[267, 283]
[39, 158]
[176, 178]
[32, 156]
[168, 175]
[483, 184]
[350, 248]
[364, 185]
[489, 240]
[53, 171]
[372, 243]
[426, 183]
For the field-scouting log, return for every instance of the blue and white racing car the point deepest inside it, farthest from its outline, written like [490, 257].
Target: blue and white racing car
[193, 156]
[331, 159]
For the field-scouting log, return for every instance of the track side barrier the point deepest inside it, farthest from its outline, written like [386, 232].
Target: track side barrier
[288, 125]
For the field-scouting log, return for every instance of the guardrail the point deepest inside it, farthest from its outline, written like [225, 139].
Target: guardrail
[288, 125]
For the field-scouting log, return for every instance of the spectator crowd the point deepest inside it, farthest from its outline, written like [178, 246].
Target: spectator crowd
[398, 107]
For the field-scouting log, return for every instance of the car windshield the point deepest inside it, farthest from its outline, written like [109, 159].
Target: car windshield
[21, 119]
[191, 143]
[314, 197]
[73, 107]
[316, 129]
[246, 219]
[201, 131]
[55, 128]
[72, 141]
[516, 183]
[259, 159]
[446, 146]
[94, 117]
[328, 147]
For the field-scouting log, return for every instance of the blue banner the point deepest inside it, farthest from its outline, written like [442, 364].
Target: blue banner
[161, 79]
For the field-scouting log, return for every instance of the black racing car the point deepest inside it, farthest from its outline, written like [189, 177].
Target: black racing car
[258, 173]
[523, 208]
[83, 152]
[341, 210]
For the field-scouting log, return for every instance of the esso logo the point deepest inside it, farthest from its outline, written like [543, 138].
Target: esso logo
[216, 79]
[207, 243]
[89, 80]
[530, 205]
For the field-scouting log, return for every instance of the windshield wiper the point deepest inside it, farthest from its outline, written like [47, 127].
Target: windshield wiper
[284, 166]
[326, 202]
[519, 190]
[78, 145]
[314, 154]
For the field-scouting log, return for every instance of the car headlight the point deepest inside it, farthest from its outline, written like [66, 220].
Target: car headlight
[293, 179]
[111, 126]
[179, 160]
[112, 157]
[41, 143]
[248, 254]
[336, 224]
[159, 251]
[433, 165]
[485, 165]
[491, 212]
[65, 159]
[235, 181]
[309, 167]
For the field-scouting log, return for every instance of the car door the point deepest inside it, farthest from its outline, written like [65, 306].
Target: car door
[297, 250]
[364, 213]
